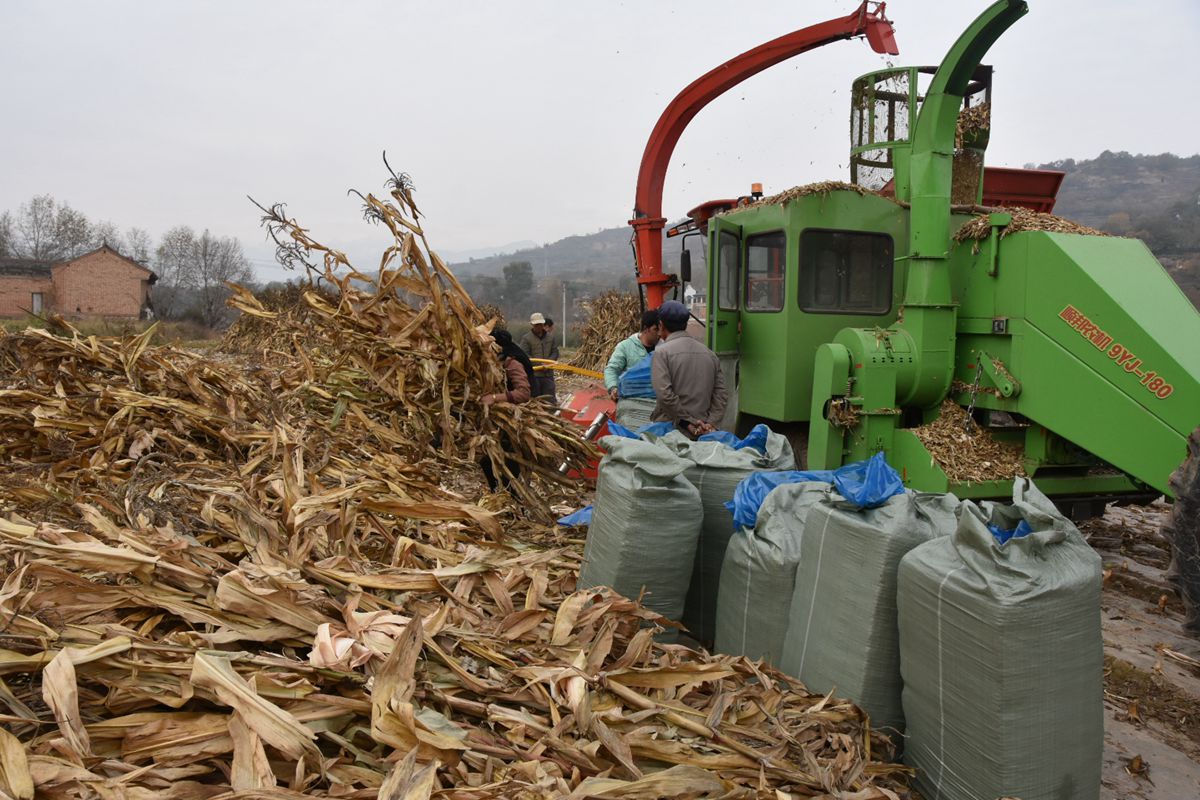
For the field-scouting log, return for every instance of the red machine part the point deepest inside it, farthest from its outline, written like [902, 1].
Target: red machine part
[1035, 189]
[648, 222]
[583, 407]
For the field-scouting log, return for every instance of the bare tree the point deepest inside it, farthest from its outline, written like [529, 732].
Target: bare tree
[216, 263]
[172, 262]
[6, 235]
[107, 232]
[35, 229]
[192, 273]
[48, 231]
[73, 232]
[138, 245]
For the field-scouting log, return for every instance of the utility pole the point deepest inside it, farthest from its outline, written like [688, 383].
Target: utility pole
[564, 314]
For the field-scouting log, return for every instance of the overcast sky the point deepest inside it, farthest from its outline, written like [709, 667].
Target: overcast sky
[518, 120]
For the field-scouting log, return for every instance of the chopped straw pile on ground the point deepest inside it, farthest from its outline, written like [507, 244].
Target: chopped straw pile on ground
[612, 316]
[966, 452]
[229, 581]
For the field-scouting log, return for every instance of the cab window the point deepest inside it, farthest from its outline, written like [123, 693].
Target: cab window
[727, 271]
[765, 272]
[845, 272]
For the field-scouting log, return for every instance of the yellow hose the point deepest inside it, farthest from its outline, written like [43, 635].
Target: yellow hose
[542, 364]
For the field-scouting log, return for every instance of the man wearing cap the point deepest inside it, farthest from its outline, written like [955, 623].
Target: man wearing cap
[540, 344]
[686, 376]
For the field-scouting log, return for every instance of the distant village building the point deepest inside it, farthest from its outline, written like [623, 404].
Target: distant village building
[695, 300]
[102, 283]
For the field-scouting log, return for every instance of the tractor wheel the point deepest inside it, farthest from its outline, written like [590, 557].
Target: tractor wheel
[1182, 530]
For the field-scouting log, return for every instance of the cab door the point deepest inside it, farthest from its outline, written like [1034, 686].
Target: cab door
[724, 286]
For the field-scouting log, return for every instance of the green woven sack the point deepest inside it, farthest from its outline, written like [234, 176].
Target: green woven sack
[1002, 656]
[759, 573]
[843, 631]
[715, 469]
[645, 524]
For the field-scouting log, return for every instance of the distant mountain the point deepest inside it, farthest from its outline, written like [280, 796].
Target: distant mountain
[604, 259]
[455, 256]
[1098, 191]
[1154, 198]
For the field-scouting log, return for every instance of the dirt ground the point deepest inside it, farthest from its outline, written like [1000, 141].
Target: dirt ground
[1152, 679]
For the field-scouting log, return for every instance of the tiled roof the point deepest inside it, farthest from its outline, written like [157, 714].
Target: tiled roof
[24, 268]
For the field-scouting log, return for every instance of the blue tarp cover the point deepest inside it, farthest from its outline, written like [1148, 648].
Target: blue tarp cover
[866, 484]
[581, 517]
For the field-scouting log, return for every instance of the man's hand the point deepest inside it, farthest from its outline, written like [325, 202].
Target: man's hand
[698, 429]
[488, 399]
[613, 393]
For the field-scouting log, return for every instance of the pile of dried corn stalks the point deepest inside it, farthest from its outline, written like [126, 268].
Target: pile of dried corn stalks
[237, 582]
[250, 334]
[612, 317]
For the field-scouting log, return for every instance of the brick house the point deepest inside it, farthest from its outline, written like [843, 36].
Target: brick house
[102, 283]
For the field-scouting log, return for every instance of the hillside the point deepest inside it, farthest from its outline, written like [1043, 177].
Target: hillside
[1106, 191]
[1153, 198]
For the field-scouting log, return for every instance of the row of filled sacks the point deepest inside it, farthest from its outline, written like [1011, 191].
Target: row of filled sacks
[971, 632]
[660, 524]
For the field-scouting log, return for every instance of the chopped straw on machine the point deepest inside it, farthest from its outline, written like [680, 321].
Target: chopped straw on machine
[1023, 219]
[225, 577]
[612, 317]
[967, 452]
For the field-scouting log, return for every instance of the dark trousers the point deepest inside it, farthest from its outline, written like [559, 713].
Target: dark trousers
[543, 385]
[489, 468]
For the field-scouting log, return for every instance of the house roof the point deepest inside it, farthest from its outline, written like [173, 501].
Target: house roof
[32, 268]
[116, 253]
[24, 268]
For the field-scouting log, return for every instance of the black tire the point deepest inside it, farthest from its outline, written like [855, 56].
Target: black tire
[1182, 530]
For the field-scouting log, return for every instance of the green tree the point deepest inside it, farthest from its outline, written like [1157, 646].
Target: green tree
[518, 283]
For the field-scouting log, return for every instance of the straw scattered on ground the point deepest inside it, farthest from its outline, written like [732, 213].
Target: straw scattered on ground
[966, 452]
[227, 580]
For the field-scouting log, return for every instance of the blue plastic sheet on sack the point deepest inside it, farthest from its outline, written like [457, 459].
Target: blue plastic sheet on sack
[581, 517]
[615, 429]
[636, 380]
[656, 429]
[756, 438]
[869, 483]
[1002, 536]
[749, 495]
[865, 484]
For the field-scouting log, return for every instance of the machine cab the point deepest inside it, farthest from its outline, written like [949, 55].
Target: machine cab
[788, 272]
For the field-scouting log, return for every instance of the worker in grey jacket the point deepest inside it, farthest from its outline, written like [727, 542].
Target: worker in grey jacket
[686, 376]
[538, 343]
